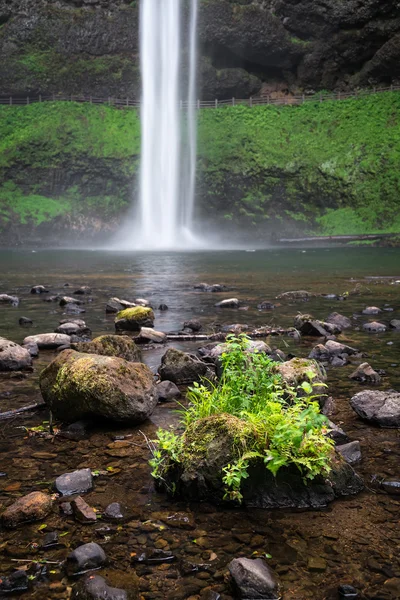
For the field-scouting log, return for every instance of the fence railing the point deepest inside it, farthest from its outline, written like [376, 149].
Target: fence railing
[183, 104]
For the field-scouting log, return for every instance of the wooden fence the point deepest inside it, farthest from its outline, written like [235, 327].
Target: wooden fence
[255, 101]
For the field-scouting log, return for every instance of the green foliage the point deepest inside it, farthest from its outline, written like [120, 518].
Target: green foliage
[279, 428]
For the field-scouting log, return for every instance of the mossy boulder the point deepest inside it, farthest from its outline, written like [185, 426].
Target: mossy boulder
[77, 385]
[181, 368]
[120, 346]
[133, 319]
[298, 370]
[210, 444]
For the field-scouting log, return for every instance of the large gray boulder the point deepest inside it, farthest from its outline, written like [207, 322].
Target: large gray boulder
[13, 357]
[253, 579]
[48, 341]
[378, 408]
[120, 346]
[77, 386]
[181, 368]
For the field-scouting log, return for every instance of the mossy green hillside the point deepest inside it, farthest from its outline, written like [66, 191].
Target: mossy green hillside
[323, 168]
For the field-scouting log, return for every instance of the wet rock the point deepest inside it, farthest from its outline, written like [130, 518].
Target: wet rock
[48, 341]
[13, 357]
[6, 299]
[253, 579]
[265, 305]
[235, 328]
[228, 303]
[77, 386]
[167, 391]
[351, 452]
[25, 321]
[85, 558]
[39, 289]
[120, 346]
[73, 309]
[66, 509]
[374, 327]
[309, 326]
[33, 507]
[94, 587]
[317, 564]
[64, 300]
[75, 320]
[337, 434]
[338, 361]
[133, 319]
[163, 307]
[116, 512]
[205, 287]
[348, 592]
[150, 335]
[16, 583]
[50, 540]
[154, 556]
[142, 302]
[181, 368]
[82, 511]
[378, 408]
[366, 374]
[73, 328]
[75, 431]
[332, 353]
[391, 486]
[395, 324]
[296, 295]
[193, 324]
[52, 298]
[339, 320]
[77, 482]
[371, 310]
[83, 290]
[337, 349]
[297, 370]
[115, 305]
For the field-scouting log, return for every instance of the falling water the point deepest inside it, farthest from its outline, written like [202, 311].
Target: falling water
[167, 179]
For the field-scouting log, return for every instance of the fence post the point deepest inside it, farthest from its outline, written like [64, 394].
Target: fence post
[339, 95]
[127, 101]
[11, 100]
[303, 99]
[53, 97]
[233, 101]
[198, 104]
[180, 104]
[320, 97]
[391, 87]
[40, 97]
[90, 99]
[251, 101]
[216, 102]
[27, 100]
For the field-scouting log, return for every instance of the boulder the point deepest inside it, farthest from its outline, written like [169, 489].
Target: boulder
[77, 385]
[181, 368]
[339, 320]
[193, 324]
[228, 303]
[32, 348]
[116, 512]
[378, 408]
[84, 289]
[85, 558]
[69, 300]
[33, 507]
[77, 482]
[6, 299]
[133, 319]
[351, 452]
[395, 324]
[366, 374]
[205, 287]
[115, 305]
[297, 370]
[167, 391]
[307, 325]
[371, 310]
[73, 309]
[73, 328]
[332, 353]
[120, 346]
[94, 587]
[374, 327]
[253, 579]
[39, 289]
[48, 341]
[296, 295]
[147, 334]
[253, 347]
[13, 357]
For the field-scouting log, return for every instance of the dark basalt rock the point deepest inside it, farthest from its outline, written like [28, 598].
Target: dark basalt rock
[181, 368]
[348, 592]
[25, 321]
[85, 558]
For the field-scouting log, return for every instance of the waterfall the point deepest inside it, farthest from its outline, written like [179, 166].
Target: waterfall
[168, 157]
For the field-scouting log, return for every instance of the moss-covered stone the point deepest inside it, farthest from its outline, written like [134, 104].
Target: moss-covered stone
[299, 370]
[120, 346]
[133, 319]
[181, 368]
[77, 385]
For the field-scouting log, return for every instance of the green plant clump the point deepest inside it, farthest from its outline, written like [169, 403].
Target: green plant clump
[271, 422]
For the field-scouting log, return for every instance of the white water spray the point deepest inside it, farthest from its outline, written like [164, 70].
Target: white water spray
[167, 179]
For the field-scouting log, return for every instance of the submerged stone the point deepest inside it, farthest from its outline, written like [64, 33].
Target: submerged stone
[85, 558]
[16, 583]
[77, 482]
[253, 579]
[351, 452]
[94, 587]
[33, 507]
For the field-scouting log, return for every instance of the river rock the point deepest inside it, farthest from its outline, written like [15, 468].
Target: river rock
[73, 328]
[32, 348]
[142, 302]
[77, 482]
[206, 287]
[307, 325]
[115, 305]
[371, 310]
[73, 309]
[39, 289]
[25, 321]
[266, 305]
[33, 507]
[6, 299]
[94, 587]
[351, 452]
[147, 334]
[116, 512]
[133, 319]
[193, 324]
[348, 592]
[69, 300]
[85, 558]
[48, 341]
[228, 303]
[120, 346]
[163, 307]
[77, 385]
[84, 289]
[332, 350]
[253, 579]
[16, 583]
[82, 511]
[378, 408]
[395, 323]
[167, 391]
[337, 434]
[13, 357]
[366, 374]
[297, 370]
[181, 368]
[374, 327]
[296, 295]
[391, 486]
[339, 320]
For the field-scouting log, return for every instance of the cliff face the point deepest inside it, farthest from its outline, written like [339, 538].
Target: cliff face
[90, 47]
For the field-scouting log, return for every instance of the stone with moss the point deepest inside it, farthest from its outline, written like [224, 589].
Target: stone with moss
[181, 368]
[299, 370]
[212, 443]
[77, 386]
[133, 319]
[120, 346]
